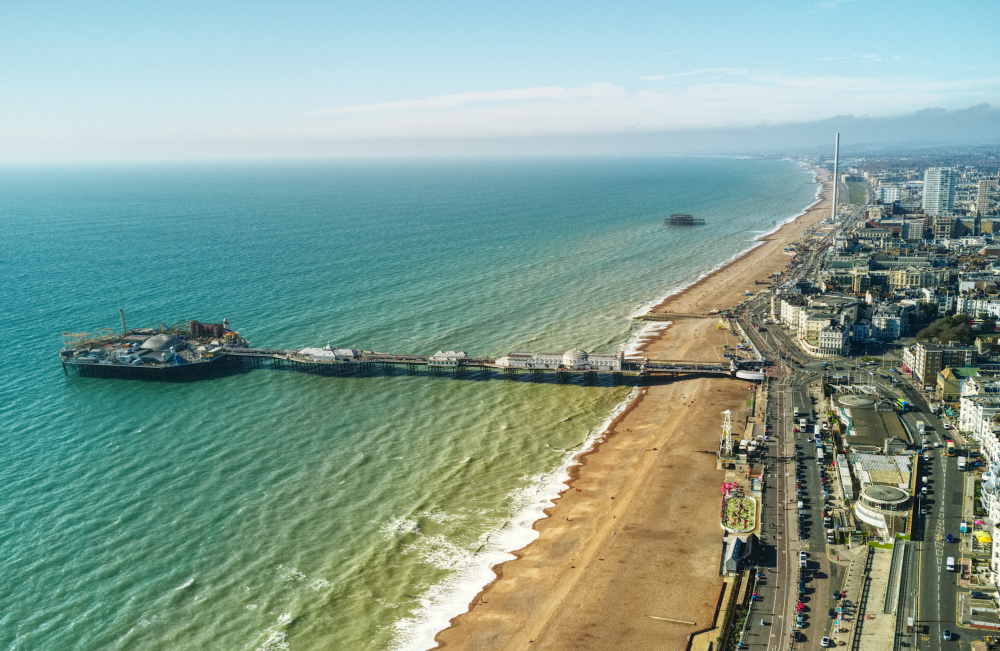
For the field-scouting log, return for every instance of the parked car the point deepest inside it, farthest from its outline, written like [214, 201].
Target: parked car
[946, 634]
[826, 643]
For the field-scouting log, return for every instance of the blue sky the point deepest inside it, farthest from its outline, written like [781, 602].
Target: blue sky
[173, 79]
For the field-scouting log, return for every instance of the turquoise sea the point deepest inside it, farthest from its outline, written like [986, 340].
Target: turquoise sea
[275, 510]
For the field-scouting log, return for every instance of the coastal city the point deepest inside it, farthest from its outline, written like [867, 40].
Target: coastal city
[860, 499]
[500, 327]
[875, 448]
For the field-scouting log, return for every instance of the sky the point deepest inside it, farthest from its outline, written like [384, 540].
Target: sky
[126, 80]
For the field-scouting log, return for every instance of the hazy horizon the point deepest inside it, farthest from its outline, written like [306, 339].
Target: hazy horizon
[308, 79]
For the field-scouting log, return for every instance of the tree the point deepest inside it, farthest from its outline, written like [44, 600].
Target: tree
[947, 329]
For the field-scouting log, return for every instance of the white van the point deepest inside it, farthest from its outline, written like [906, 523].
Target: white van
[949, 564]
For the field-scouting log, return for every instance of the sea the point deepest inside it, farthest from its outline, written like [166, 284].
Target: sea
[276, 510]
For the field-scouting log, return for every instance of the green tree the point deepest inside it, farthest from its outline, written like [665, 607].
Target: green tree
[928, 311]
[947, 329]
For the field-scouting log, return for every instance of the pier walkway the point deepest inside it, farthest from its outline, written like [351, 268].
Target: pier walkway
[360, 361]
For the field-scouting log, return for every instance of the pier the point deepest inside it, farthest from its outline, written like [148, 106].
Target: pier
[458, 365]
[194, 351]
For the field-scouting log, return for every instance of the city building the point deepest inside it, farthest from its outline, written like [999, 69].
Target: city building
[887, 322]
[926, 360]
[939, 190]
[986, 197]
[912, 230]
[890, 193]
[861, 331]
[949, 382]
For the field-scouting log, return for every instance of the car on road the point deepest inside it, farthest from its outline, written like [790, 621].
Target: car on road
[826, 643]
[946, 634]
[950, 538]
[832, 614]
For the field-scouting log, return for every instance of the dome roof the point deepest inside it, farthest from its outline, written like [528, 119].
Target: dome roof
[162, 342]
[574, 357]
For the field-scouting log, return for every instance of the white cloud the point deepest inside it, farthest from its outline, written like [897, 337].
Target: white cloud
[593, 91]
[732, 100]
[653, 78]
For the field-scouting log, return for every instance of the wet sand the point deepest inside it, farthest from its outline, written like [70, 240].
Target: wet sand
[635, 541]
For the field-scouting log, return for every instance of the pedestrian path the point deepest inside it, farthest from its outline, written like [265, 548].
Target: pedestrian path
[878, 629]
[854, 584]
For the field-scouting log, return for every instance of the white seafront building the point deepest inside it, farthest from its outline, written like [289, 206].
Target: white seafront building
[448, 358]
[571, 360]
[327, 354]
[979, 408]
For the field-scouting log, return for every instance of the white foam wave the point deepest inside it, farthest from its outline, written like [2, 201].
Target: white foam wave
[290, 573]
[648, 331]
[186, 584]
[471, 570]
[275, 641]
[440, 516]
[398, 526]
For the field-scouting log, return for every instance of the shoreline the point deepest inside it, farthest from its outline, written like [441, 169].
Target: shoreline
[758, 241]
[503, 629]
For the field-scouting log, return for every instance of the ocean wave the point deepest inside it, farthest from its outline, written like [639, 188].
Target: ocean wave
[471, 571]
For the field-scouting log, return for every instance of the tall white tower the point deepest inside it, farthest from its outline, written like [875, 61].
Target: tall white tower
[836, 165]
[939, 190]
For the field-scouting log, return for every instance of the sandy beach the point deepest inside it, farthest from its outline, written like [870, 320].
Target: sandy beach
[635, 540]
